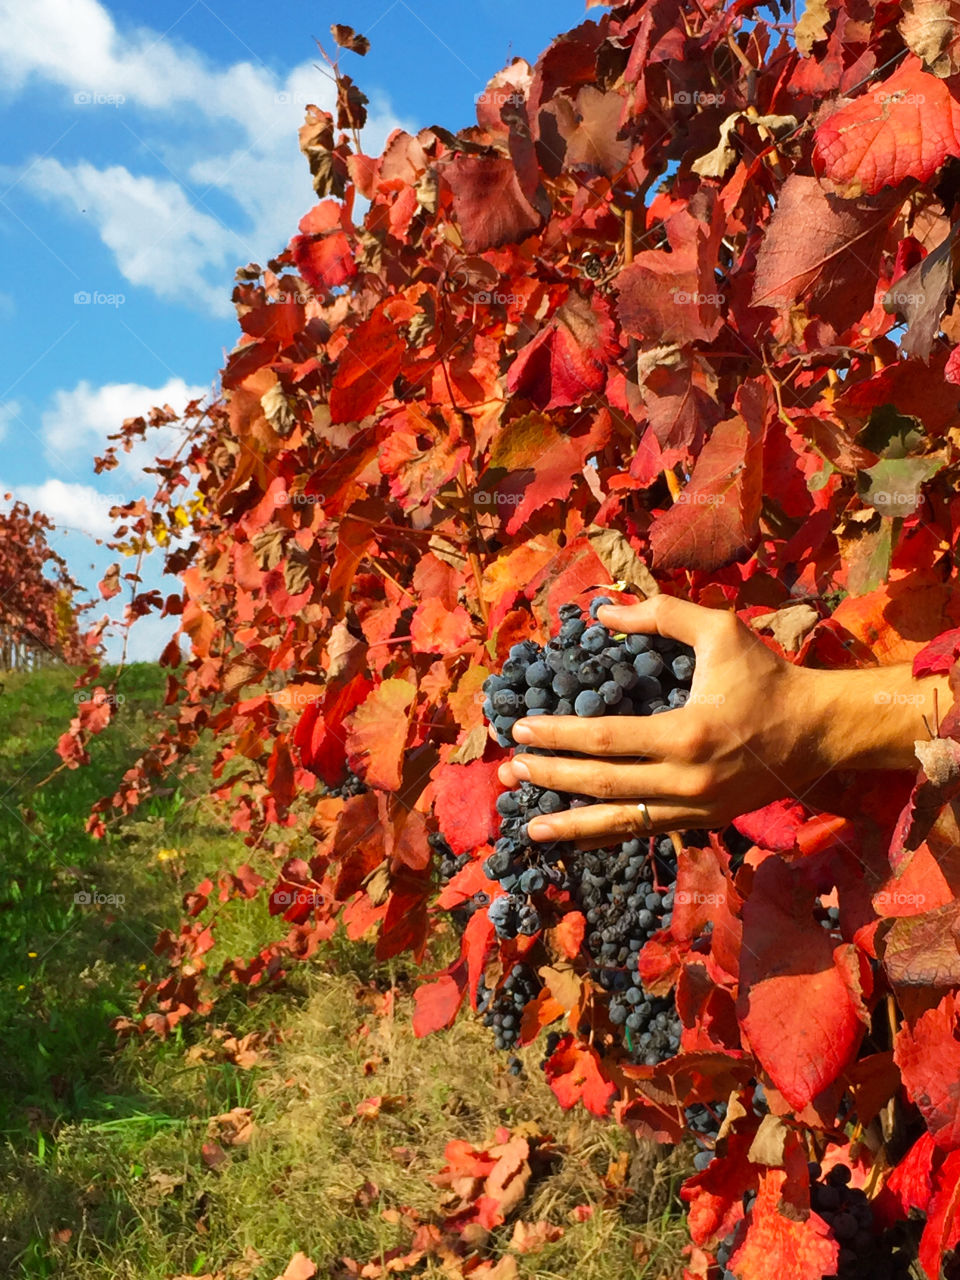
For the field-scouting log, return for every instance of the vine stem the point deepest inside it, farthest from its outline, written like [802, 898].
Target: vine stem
[471, 550]
[471, 544]
[390, 578]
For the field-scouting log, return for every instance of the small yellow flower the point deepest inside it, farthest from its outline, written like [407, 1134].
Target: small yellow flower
[142, 966]
[32, 955]
[164, 855]
[22, 986]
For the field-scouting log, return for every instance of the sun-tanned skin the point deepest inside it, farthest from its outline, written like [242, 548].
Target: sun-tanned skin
[756, 729]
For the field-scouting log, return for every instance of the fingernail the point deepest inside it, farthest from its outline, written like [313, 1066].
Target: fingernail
[521, 732]
[520, 770]
[616, 609]
[539, 829]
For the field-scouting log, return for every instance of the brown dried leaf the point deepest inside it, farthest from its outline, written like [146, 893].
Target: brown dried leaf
[530, 1237]
[347, 38]
[621, 561]
[768, 1142]
[788, 626]
[931, 30]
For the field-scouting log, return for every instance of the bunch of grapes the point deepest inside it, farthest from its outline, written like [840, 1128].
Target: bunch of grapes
[503, 1010]
[704, 1124]
[847, 1211]
[585, 671]
[351, 786]
[625, 892]
[448, 866]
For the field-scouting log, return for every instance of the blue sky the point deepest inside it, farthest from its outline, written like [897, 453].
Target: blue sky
[150, 150]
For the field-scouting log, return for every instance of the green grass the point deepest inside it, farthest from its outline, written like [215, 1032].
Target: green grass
[102, 1175]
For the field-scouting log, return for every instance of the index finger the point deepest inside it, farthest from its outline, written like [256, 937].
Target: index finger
[652, 736]
[664, 615]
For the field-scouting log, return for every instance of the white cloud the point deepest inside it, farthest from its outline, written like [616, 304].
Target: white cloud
[148, 224]
[76, 44]
[77, 507]
[174, 233]
[77, 424]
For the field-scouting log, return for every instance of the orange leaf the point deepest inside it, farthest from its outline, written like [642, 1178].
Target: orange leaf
[903, 127]
[567, 937]
[299, 1268]
[776, 1246]
[377, 733]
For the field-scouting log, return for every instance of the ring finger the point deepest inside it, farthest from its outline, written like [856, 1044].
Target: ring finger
[592, 821]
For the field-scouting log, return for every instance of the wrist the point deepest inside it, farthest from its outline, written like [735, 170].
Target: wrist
[871, 718]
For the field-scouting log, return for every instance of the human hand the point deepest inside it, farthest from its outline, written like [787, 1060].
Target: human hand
[751, 732]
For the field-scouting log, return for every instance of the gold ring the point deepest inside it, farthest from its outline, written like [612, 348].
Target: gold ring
[645, 814]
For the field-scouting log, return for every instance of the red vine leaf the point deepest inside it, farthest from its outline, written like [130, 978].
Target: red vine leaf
[574, 1074]
[436, 1005]
[376, 733]
[795, 1006]
[714, 519]
[928, 1055]
[488, 203]
[901, 127]
[568, 359]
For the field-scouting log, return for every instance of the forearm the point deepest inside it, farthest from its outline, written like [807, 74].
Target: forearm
[870, 719]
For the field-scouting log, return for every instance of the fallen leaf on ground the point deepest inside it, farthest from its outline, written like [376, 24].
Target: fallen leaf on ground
[299, 1268]
[213, 1155]
[233, 1128]
[530, 1237]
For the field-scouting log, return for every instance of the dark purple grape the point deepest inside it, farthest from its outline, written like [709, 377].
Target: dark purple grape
[589, 703]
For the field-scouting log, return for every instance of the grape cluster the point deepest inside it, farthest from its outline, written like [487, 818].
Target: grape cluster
[585, 671]
[829, 917]
[704, 1123]
[502, 1010]
[847, 1211]
[351, 786]
[625, 892]
[626, 897]
[448, 866]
